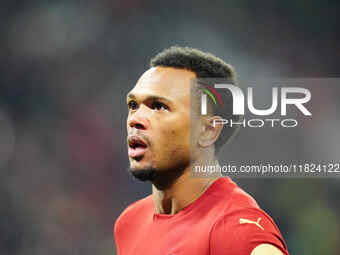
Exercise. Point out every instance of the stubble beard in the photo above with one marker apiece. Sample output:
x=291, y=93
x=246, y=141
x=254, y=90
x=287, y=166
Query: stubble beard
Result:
x=161, y=178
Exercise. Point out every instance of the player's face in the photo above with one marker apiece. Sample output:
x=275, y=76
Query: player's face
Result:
x=158, y=122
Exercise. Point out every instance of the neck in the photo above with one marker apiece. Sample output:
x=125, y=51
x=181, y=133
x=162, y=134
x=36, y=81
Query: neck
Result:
x=182, y=192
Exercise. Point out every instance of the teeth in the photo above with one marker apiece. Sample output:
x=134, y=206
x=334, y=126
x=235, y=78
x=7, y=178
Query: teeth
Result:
x=139, y=145
x=135, y=144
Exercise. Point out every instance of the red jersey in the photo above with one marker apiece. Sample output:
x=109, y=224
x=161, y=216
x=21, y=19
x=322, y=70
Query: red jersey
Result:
x=224, y=220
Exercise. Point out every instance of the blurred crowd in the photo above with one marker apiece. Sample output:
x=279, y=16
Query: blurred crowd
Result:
x=65, y=68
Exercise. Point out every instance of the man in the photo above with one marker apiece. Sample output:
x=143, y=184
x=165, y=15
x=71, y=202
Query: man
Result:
x=185, y=214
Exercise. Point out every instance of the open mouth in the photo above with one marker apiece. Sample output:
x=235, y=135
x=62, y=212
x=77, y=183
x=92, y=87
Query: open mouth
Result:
x=137, y=147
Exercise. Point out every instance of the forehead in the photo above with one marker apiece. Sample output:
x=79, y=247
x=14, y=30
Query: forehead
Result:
x=168, y=82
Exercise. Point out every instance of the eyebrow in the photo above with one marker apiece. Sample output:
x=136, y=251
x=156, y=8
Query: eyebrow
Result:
x=148, y=97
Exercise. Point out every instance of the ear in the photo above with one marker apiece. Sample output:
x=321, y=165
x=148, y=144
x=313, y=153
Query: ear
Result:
x=211, y=130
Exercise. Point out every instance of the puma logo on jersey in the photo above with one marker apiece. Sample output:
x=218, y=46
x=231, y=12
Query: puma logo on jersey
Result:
x=257, y=223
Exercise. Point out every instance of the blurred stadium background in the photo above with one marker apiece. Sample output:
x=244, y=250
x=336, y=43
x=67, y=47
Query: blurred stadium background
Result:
x=65, y=67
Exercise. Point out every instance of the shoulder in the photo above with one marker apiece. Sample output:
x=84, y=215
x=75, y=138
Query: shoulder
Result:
x=242, y=230
x=230, y=197
x=133, y=212
x=243, y=226
x=132, y=216
x=241, y=199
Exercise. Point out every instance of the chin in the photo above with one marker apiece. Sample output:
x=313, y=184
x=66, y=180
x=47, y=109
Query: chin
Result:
x=143, y=174
x=137, y=165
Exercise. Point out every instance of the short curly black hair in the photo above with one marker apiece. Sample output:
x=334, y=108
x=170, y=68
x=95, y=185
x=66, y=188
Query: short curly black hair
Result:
x=209, y=67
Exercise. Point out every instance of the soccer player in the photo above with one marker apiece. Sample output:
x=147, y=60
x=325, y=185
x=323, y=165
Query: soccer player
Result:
x=185, y=214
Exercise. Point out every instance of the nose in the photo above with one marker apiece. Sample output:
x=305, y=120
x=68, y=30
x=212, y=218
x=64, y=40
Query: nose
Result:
x=139, y=120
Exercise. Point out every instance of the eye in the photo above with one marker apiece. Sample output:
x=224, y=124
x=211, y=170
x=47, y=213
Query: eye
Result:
x=132, y=105
x=159, y=106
